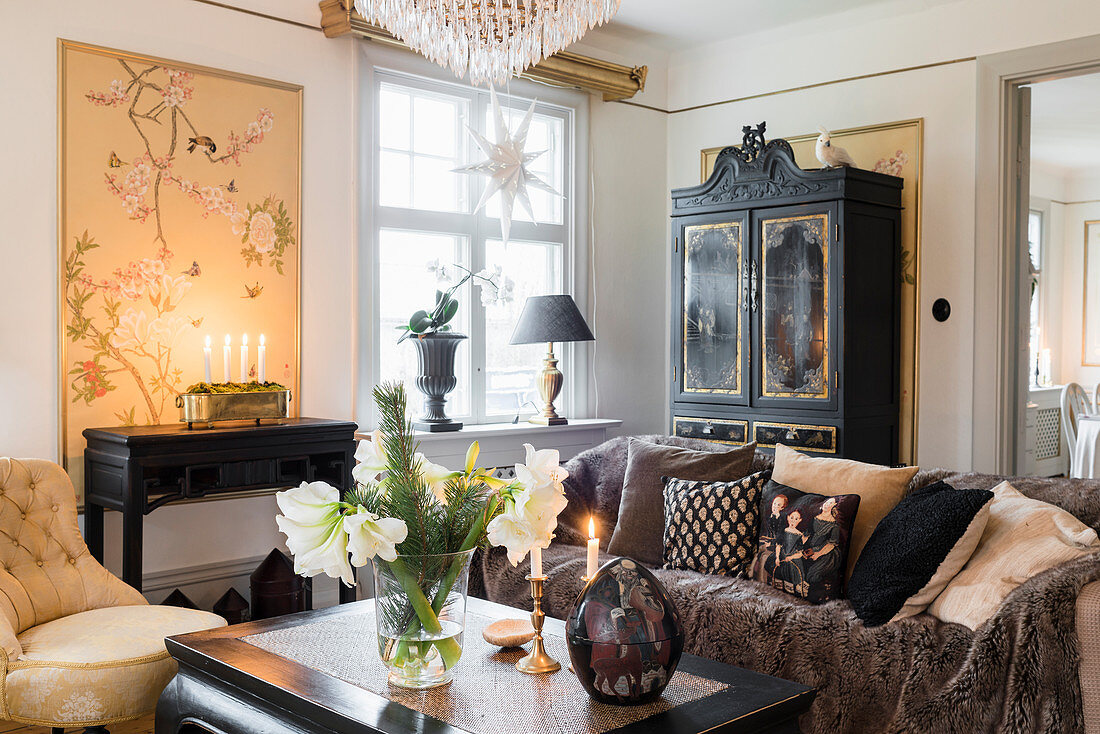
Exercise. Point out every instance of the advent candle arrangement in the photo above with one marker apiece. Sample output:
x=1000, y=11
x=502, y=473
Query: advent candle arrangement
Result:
x=227, y=351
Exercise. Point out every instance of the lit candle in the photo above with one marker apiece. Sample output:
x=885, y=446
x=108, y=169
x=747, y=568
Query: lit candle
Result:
x=593, y=549
x=536, y=562
x=261, y=361
x=206, y=361
x=225, y=360
x=244, y=358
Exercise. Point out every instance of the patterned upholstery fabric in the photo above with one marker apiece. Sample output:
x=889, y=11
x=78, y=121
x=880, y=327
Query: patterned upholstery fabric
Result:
x=80, y=646
x=97, y=667
x=711, y=527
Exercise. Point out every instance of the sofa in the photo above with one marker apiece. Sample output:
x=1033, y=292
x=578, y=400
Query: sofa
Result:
x=1033, y=667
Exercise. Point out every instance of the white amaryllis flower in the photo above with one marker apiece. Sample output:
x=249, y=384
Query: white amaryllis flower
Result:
x=314, y=530
x=370, y=536
x=540, y=506
x=371, y=459
x=435, y=475
x=540, y=468
x=513, y=531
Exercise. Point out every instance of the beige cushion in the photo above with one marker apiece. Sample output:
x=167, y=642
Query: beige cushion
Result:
x=99, y=666
x=880, y=488
x=956, y=558
x=1024, y=537
x=639, y=532
x=46, y=571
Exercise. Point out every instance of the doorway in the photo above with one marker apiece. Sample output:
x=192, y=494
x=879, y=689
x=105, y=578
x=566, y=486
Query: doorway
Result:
x=1058, y=228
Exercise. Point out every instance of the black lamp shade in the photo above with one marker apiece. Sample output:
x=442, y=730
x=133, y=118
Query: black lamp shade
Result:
x=551, y=319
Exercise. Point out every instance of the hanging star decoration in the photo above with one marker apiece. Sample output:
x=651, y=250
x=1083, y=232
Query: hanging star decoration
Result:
x=505, y=165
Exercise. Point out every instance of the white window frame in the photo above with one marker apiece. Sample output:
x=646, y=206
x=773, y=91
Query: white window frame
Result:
x=377, y=65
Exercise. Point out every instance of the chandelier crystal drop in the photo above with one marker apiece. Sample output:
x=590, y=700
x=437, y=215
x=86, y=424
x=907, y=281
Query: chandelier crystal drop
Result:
x=491, y=40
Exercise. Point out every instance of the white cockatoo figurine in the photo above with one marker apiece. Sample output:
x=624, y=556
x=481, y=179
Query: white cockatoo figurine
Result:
x=830, y=155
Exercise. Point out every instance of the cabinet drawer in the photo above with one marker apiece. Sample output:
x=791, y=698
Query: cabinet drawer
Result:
x=821, y=439
x=711, y=429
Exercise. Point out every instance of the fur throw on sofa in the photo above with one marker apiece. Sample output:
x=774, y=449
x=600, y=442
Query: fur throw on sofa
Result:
x=1016, y=673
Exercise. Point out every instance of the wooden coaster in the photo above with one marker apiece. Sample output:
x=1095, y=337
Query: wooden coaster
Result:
x=509, y=632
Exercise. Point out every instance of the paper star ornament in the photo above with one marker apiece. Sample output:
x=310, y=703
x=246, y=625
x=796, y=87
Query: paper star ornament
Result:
x=505, y=165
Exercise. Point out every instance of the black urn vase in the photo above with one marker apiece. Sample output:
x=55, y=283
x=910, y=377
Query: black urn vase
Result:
x=435, y=356
x=624, y=635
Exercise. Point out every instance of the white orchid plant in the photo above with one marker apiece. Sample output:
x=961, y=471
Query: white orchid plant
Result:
x=405, y=508
x=496, y=289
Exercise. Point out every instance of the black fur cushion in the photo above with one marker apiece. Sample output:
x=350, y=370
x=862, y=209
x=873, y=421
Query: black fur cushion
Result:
x=916, y=550
x=711, y=527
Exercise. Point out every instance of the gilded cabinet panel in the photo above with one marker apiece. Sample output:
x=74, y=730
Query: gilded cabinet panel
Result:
x=712, y=311
x=712, y=429
x=820, y=439
x=794, y=307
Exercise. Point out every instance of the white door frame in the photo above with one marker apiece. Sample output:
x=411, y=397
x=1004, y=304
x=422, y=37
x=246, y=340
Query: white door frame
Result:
x=996, y=332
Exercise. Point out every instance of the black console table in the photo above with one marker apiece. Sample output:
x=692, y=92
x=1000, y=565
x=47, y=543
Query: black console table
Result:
x=137, y=469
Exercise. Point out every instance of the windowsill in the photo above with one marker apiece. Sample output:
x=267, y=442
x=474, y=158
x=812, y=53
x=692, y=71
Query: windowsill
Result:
x=523, y=428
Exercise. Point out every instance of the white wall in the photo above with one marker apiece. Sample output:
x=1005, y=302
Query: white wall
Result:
x=629, y=233
x=882, y=38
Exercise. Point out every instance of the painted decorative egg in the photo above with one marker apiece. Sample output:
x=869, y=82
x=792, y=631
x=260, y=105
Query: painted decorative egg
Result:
x=624, y=634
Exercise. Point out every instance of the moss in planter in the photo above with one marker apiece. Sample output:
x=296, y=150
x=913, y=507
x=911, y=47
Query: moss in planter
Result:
x=207, y=388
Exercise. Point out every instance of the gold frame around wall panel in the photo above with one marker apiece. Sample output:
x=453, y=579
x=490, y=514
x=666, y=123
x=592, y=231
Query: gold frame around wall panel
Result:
x=738, y=390
x=708, y=156
x=1085, y=298
x=64, y=45
x=826, y=276
x=615, y=82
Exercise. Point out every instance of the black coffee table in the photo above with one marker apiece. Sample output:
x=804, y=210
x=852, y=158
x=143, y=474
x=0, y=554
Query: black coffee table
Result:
x=228, y=685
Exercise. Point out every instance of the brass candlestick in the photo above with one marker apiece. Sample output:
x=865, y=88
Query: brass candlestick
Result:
x=538, y=661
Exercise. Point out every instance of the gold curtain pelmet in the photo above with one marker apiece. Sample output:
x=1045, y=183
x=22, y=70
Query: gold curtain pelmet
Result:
x=563, y=69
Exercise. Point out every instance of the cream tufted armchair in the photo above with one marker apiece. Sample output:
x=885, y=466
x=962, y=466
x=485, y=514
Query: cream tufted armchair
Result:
x=80, y=647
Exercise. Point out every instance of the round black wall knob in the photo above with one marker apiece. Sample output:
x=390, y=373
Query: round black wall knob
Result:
x=941, y=309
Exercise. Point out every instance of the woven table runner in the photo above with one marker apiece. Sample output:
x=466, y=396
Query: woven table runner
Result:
x=488, y=695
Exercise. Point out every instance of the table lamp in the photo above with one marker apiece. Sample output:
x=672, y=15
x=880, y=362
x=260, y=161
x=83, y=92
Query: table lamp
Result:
x=550, y=319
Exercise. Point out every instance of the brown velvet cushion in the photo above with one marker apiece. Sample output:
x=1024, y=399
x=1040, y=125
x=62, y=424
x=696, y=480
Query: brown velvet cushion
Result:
x=640, y=529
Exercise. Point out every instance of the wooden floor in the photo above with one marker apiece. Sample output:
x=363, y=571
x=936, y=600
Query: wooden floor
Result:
x=143, y=725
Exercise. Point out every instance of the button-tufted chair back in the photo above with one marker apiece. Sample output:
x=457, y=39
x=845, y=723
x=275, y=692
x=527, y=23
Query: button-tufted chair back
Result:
x=46, y=570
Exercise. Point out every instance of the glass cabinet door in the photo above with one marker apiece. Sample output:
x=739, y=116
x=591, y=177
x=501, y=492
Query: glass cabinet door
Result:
x=713, y=312
x=795, y=360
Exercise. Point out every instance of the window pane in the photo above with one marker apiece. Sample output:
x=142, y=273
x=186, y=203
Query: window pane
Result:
x=434, y=186
x=544, y=134
x=394, y=117
x=421, y=142
x=406, y=286
x=394, y=179
x=510, y=371
x=435, y=128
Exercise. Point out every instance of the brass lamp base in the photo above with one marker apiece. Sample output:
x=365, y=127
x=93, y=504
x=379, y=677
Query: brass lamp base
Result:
x=538, y=660
x=549, y=382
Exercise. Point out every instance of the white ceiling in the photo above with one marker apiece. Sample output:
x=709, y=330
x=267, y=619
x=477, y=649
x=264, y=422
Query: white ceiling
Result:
x=680, y=24
x=1065, y=124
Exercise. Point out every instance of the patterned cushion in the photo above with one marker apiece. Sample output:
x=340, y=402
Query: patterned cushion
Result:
x=97, y=667
x=711, y=527
x=804, y=541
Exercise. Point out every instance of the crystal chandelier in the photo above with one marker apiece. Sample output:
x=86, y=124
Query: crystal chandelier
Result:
x=492, y=40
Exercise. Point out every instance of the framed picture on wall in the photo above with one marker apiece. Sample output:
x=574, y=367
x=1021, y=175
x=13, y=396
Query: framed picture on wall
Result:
x=179, y=220
x=1090, y=323
x=895, y=148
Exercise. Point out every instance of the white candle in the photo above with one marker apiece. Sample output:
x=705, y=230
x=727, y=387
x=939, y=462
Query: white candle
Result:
x=206, y=361
x=261, y=361
x=593, y=549
x=225, y=360
x=244, y=358
x=536, y=561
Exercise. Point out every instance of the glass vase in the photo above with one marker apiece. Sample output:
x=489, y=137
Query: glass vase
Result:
x=420, y=605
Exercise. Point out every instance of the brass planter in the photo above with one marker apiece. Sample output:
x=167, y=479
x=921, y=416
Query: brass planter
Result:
x=209, y=408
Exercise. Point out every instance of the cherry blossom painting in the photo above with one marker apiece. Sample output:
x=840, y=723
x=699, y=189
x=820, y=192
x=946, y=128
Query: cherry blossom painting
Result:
x=178, y=220
x=894, y=148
